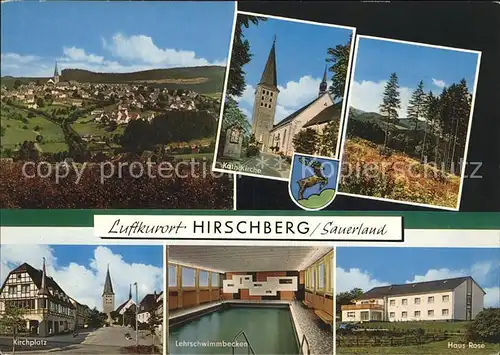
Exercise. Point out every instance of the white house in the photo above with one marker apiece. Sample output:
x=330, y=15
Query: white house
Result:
x=149, y=303
x=47, y=308
x=451, y=299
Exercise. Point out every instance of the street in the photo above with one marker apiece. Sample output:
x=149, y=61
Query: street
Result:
x=107, y=340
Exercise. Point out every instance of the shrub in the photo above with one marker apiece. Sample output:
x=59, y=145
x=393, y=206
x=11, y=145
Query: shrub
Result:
x=486, y=326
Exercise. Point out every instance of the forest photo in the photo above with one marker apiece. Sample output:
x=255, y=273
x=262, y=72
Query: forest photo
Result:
x=410, y=111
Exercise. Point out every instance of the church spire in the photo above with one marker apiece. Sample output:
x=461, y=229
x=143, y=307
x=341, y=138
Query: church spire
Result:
x=108, y=286
x=130, y=292
x=43, y=286
x=269, y=74
x=323, y=86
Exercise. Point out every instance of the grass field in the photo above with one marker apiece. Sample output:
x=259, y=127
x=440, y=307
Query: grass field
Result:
x=437, y=348
x=396, y=177
x=53, y=137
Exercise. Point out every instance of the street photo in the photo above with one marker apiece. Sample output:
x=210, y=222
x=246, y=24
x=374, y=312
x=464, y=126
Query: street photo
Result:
x=437, y=301
x=408, y=123
x=81, y=299
x=109, y=114
x=250, y=300
x=284, y=93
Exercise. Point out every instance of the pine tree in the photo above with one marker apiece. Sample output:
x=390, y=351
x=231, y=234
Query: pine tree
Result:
x=339, y=56
x=416, y=104
x=431, y=115
x=391, y=102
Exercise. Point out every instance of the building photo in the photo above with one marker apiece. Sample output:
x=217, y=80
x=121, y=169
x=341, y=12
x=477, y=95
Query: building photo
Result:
x=280, y=100
x=259, y=300
x=436, y=296
x=82, y=298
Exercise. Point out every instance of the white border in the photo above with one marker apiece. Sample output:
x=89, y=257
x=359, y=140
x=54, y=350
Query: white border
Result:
x=290, y=182
x=471, y=114
x=432, y=238
x=344, y=101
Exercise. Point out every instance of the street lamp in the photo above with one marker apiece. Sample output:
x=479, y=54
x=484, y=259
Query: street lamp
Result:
x=136, y=313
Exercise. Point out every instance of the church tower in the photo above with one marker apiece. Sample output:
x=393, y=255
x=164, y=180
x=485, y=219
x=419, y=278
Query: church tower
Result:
x=266, y=97
x=323, y=87
x=108, y=297
x=56, y=75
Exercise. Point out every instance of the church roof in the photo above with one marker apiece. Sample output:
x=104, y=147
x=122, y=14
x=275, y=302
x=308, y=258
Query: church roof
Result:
x=108, y=286
x=293, y=115
x=331, y=113
x=269, y=75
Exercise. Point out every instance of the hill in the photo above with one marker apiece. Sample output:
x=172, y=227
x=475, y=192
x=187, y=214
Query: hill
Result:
x=402, y=124
x=206, y=79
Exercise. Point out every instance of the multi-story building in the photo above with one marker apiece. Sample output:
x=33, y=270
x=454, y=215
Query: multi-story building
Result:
x=47, y=308
x=451, y=299
x=82, y=314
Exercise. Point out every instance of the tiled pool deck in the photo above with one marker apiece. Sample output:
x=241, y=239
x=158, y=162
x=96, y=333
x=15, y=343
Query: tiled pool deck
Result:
x=319, y=335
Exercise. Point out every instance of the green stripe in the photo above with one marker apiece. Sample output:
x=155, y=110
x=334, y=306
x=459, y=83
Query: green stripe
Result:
x=412, y=220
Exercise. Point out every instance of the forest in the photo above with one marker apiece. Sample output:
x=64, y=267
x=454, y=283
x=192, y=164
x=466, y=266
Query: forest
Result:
x=417, y=158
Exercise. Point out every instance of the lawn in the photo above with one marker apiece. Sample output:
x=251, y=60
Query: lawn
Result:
x=437, y=348
x=15, y=133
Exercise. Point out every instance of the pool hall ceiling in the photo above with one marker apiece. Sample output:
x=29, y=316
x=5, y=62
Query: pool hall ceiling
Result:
x=245, y=258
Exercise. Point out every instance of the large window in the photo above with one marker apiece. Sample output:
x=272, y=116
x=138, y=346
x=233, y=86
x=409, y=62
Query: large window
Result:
x=321, y=276
x=215, y=280
x=188, y=277
x=172, y=276
x=203, y=278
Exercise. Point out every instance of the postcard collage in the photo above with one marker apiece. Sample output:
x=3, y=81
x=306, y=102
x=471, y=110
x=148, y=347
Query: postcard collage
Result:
x=249, y=178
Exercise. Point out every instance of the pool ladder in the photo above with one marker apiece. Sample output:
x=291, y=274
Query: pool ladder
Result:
x=242, y=333
x=301, y=350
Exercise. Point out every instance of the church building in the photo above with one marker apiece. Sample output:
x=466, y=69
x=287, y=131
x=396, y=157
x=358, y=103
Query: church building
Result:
x=108, y=297
x=278, y=138
x=55, y=79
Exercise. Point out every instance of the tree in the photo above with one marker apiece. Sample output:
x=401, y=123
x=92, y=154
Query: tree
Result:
x=154, y=321
x=11, y=321
x=240, y=55
x=329, y=138
x=416, y=105
x=306, y=141
x=391, y=102
x=2, y=131
x=486, y=326
x=40, y=102
x=96, y=318
x=339, y=56
x=431, y=115
x=17, y=83
x=346, y=298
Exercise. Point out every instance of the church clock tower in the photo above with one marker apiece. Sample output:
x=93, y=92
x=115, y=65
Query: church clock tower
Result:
x=266, y=97
x=108, y=297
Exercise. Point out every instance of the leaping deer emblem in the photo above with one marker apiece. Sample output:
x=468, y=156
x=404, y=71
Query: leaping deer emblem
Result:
x=310, y=181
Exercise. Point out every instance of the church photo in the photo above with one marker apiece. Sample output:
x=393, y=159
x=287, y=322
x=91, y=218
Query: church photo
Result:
x=82, y=298
x=284, y=93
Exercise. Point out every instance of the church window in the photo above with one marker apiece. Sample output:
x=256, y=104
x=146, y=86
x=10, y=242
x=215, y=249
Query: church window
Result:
x=271, y=94
x=270, y=100
x=284, y=137
x=262, y=97
x=261, y=104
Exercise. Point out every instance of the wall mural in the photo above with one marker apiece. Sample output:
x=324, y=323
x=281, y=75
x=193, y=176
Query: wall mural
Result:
x=270, y=287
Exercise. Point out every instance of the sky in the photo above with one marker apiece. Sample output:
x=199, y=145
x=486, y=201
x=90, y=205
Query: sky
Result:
x=377, y=59
x=80, y=270
x=188, y=277
x=113, y=36
x=301, y=50
x=378, y=266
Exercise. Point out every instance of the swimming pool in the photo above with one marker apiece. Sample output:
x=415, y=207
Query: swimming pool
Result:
x=269, y=330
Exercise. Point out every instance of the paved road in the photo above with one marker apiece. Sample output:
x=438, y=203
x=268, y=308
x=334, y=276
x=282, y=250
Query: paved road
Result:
x=269, y=164
x=101, y=341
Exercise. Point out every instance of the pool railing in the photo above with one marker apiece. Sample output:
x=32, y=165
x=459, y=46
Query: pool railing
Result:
x=250, y=349
x=301, y=349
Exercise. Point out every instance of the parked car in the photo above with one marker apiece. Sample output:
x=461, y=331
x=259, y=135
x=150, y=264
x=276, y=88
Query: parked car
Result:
x=347, y=326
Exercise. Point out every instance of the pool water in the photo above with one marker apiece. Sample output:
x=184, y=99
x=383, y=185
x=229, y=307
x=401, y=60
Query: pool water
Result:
x=269, y=331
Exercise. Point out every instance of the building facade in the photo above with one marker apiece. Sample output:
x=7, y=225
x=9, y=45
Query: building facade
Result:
x=47, y=309
x=108, y=297
x=266, y=98
x=442, y=300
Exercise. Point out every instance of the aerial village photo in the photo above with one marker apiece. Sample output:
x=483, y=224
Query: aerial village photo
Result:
x=81, y=299
x=250, y=300
x=437, y=301
x=284, y=93
x=409, y=117
x=94, y=106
